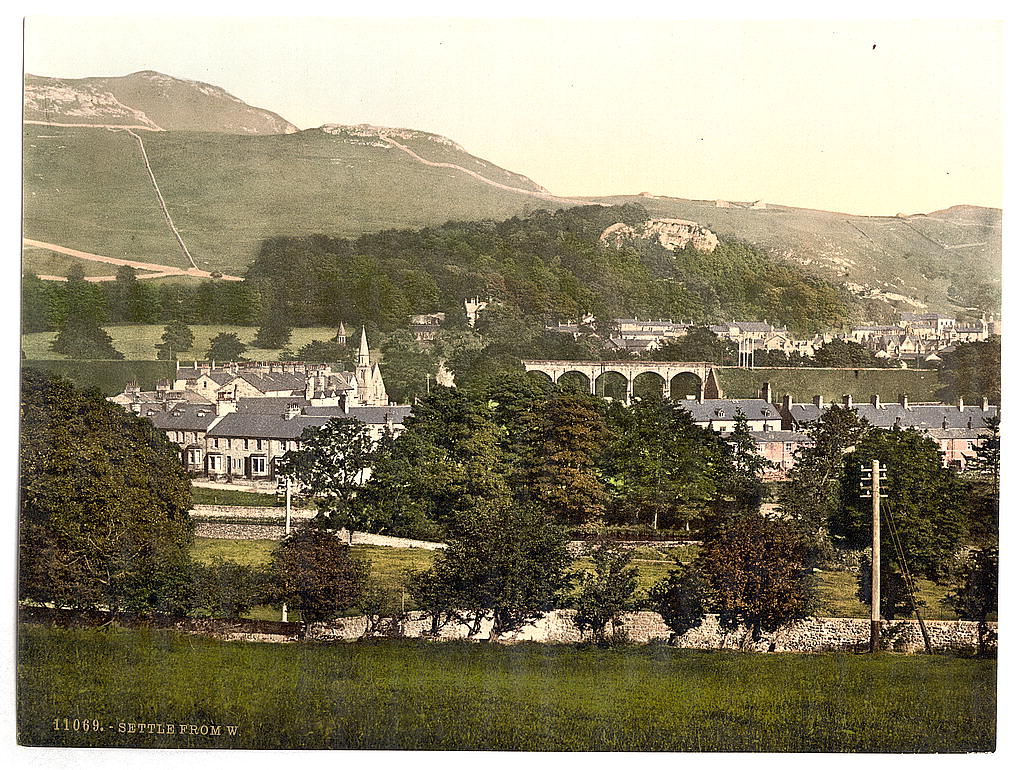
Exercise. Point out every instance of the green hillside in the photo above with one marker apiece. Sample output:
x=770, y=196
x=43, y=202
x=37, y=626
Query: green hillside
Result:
x=88, y=189
x=922, y=257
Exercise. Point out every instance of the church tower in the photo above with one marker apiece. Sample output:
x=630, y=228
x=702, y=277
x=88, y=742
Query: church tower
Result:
x=369, y=384
x=342, y=337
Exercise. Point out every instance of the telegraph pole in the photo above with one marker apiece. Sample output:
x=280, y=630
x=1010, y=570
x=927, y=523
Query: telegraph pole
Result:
x=876, y=472
x=287, y=530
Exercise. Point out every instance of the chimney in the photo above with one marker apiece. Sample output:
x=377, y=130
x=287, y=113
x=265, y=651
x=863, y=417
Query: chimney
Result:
x=876, y=401
x=848, y=401
x=984, y=404
x=292, y=411
x=945, y=422
x=225, y=407
x=345, y=403
x=309, y=387
x=960, y=403
x=766, y=392
x=787, y=403
x=817, y=401
x=905, y=401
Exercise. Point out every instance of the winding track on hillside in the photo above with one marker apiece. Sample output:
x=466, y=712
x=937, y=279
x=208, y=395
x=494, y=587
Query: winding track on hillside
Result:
x=158, y=271
x=485, y=180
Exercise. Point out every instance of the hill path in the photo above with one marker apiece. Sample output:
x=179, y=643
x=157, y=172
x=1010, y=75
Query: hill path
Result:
x=160, y=197
x=485, y=180
x=90, y=125
x=158, y=271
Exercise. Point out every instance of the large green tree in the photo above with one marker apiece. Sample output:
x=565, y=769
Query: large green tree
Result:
x=104, y=504
x=78, y=310
x=314, y=572
x=177, y=338
x=331, y=463
x=505, y=562
x=605, y=592
x=566, y=436
x=924, y=515
x=226, y=346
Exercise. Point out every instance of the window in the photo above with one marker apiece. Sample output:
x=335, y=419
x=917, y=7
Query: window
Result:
x=258, y=465
x=245, y=443
x=238, y=464
x=216, y=443
x=216, y=463
x=181, y=437
x=195, y=457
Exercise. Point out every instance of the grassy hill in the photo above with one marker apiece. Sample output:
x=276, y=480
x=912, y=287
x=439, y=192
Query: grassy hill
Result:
x=88, y=189
x=915, y=257
x=832, y=384
x=149, y=99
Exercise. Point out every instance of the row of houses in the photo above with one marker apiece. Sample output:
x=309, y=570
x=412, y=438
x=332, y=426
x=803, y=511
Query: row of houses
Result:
x=779, y=428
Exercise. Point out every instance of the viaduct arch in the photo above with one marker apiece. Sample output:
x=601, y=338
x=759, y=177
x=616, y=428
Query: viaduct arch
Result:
x=666, y=371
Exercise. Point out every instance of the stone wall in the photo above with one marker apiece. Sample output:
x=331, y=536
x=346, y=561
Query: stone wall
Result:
x=248, y=512
x=235, y=530
x=808, y=635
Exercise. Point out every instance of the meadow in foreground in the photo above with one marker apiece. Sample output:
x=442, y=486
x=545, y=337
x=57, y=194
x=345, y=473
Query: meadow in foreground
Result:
x=423, y=695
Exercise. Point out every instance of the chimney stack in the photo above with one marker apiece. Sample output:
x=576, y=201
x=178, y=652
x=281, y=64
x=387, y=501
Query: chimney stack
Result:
x=984, y=403
x=818, y=401
x=960, y=403
x=292, y=411
x=848, y=401
x=905, y=401
x=876, y=401
x=787, y=403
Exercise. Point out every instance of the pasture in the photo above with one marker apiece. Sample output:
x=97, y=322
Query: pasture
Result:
x=459, y=695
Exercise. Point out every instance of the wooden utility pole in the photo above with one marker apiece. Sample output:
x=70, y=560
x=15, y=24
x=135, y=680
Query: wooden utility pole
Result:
x=876, y=471
x=287, y=531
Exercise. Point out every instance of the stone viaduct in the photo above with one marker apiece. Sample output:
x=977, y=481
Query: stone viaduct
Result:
x=696, y=376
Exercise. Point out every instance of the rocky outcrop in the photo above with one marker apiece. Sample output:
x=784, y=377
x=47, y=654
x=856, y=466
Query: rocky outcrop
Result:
x=671, y=233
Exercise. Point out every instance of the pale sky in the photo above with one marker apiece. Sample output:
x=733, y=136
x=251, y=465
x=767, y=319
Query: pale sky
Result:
x=861, y=117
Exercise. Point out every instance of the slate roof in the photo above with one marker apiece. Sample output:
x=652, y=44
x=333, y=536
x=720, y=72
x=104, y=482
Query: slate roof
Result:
x=708, y=410
x=255, y=425
x=919, y=416
x=182, y=417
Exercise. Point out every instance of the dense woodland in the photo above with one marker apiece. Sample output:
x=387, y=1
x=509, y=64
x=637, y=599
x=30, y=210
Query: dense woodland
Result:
x=543, y=266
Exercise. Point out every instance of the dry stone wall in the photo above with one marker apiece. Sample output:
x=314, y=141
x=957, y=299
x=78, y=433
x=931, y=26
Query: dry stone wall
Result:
x=808, y=635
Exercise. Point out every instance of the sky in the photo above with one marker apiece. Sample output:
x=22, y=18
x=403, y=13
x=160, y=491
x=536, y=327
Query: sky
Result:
x=853, y=116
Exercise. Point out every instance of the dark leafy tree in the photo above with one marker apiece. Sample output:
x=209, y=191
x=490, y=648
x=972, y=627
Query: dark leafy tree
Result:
x=565, y=437
x=506, y=563
x=810, y=499
x=926, y=506
x=320, y=351
x=314, y=572
x=606, y=592
x=745, y=484
x=407, y=366
x=972, y=372
x=226, y=347
x=104, y=505
x=78, y=310
x=986, y=459
x=275, y=326
x=758, y=573
x=663, y=469
x=177, y=338
x=331, y=464
x=977, y=596
x=682, y=599
x=844, y=355
x=225, y=589
x=699, y=344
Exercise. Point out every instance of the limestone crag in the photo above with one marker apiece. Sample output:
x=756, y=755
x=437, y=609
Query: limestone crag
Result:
x=671, y=234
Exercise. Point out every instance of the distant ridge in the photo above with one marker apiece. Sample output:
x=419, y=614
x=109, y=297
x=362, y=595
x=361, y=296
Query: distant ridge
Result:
x=148, y=100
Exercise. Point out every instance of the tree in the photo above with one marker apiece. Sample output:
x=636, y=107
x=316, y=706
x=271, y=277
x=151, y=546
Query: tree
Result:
x=275, y=328
x=663, y=469
x=977, y=596
x=177, y=338
x=926, y=505
x=226, y=347
x=698, y=344
x=505, y=562
x=972, y=372
x=104, y=504
x=681, y=599
x=838, y=353
x=313, y=571
x=986, y=459
x=228, y=590
x=407, y=366
x=330, y=465
x=745, y=483
x=811, y=497
x=320, y=351
x=606, y=592
x=757, y=572
x=79, y=309
x=565, y=436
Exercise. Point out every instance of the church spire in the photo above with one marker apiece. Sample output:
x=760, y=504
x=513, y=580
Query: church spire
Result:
x=364, y=350
x=342, y=336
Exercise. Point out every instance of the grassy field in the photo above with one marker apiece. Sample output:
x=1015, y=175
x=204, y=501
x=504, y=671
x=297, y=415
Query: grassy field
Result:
x=836, y=591
x=832, y=384
x=429, y=695
x=138, y=343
